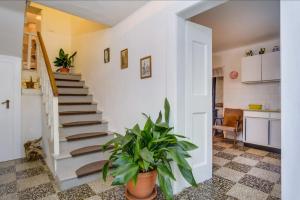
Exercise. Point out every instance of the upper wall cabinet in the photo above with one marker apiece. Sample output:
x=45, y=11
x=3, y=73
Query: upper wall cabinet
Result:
x=261, y=68
x=251, y=69
x=270, y=63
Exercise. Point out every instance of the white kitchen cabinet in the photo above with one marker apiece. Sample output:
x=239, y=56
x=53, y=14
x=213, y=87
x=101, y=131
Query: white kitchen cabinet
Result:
x=275, y=133
x=270, y=63
x=262, y=128
x=256, y=131
x=261, y=68
x=251, y=69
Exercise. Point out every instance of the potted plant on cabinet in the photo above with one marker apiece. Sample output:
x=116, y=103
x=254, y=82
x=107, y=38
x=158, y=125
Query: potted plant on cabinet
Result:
x=142, y=155
x=64, y=62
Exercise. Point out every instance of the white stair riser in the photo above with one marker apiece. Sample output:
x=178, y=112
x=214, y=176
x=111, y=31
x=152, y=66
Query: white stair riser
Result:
x=69, y=183
x=67, y=76
x=75, y=99
x=65, y=108
x=73, y=90
x=78, y=118
x=68, y=146
x=70, y=83
x=73, y=163
x=84, y=129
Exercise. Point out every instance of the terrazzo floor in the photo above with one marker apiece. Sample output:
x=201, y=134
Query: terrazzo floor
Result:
x=238, y=174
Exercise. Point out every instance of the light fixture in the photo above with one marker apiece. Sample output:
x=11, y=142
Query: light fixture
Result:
x=38, y=17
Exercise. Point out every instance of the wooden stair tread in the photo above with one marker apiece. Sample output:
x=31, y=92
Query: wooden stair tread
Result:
x=65, y=79
x=75, y=103
x=81, y=123
x=72, y=94
x=87, y=150
x=90, y=168
x=77, y=112
x=69, y=86
x=82, y=136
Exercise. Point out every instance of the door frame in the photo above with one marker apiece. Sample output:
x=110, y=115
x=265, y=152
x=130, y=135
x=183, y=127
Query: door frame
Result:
x=16, y=62
x=179, y=37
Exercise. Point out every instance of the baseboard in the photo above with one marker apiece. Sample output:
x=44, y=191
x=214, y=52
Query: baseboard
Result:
x=271, y=149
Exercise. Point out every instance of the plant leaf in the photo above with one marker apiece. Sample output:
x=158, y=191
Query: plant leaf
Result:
x=159, y=118
x=178, y=158
x=166, y=187
x=187, y=146
x=188, y=175
x=167, y=110
x=125, y=173
x=164, y=171
x=105, y=170
x=147, y=155
x=136, y=130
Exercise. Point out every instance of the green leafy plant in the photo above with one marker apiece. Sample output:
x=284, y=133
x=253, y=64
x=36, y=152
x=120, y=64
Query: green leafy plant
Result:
x=153, y=147
x=64, y=60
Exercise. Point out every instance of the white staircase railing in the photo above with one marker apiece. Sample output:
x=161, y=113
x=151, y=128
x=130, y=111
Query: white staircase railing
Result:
x=50, y=95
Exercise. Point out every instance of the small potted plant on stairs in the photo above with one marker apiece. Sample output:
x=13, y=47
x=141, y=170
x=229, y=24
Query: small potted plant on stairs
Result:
x=64, y=62
x=142, y=155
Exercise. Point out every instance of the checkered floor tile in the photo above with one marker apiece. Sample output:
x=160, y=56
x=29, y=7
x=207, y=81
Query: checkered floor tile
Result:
x=238, y=174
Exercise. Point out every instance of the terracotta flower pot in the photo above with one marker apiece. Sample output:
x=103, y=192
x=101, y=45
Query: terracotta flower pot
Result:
x=64, y=70
x=144, y=186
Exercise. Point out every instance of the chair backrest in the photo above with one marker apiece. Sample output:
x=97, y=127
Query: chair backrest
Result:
x=231, y=116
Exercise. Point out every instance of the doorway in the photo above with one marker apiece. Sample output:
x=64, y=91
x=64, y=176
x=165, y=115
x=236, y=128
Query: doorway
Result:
x=227, y=160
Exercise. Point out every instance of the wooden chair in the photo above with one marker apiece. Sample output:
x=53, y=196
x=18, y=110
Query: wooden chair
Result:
x=233, y=122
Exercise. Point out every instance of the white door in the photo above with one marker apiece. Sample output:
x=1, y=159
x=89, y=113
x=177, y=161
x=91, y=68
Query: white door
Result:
x=257, y=131
x=251, y=68
x=9, y=104
x=198, y=98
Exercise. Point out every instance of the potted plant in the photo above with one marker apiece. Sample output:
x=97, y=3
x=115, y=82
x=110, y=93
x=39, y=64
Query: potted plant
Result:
x=142, y=155
x=30, y=83
x=64, y=62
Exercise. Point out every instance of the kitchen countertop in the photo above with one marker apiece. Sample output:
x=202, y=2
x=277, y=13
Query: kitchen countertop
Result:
x=269, y=110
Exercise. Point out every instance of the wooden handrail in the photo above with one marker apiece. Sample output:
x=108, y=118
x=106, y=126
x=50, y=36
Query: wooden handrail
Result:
x=48, y=65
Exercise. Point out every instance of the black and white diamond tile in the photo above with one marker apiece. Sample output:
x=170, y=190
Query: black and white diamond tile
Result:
x=240, y=173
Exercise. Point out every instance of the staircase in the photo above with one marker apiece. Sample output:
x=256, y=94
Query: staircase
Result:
x=82, y=131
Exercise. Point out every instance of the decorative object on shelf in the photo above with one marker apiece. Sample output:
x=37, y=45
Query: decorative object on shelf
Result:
x=142, y=155
x=33, y=150
x=249, y=53
x=262, y=50
x=276, y=48
x=233, y=74
x=30, y=83
x=145, y=65
x=64, y=62
x=124, y=59
x=106, y=55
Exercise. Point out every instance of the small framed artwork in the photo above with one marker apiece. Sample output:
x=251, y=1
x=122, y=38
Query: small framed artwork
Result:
x=106, y=55
x=124, y=59
x=145, y=64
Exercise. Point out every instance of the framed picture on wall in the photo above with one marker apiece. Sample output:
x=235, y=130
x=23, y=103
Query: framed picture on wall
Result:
x=106, y=55
x=145, y=65
x=124, y=59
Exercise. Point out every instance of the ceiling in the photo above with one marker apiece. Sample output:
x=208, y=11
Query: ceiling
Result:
x=239, y=23
x=104, y=12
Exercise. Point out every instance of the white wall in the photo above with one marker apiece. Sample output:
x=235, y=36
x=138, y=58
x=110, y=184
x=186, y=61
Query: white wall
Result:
x=239, y=95
x=31, y=117
x=11, y=23
x=290, y=70
x=143, y=34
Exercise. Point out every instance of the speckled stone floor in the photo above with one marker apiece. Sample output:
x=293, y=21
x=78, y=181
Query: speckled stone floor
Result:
x=238, y=174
